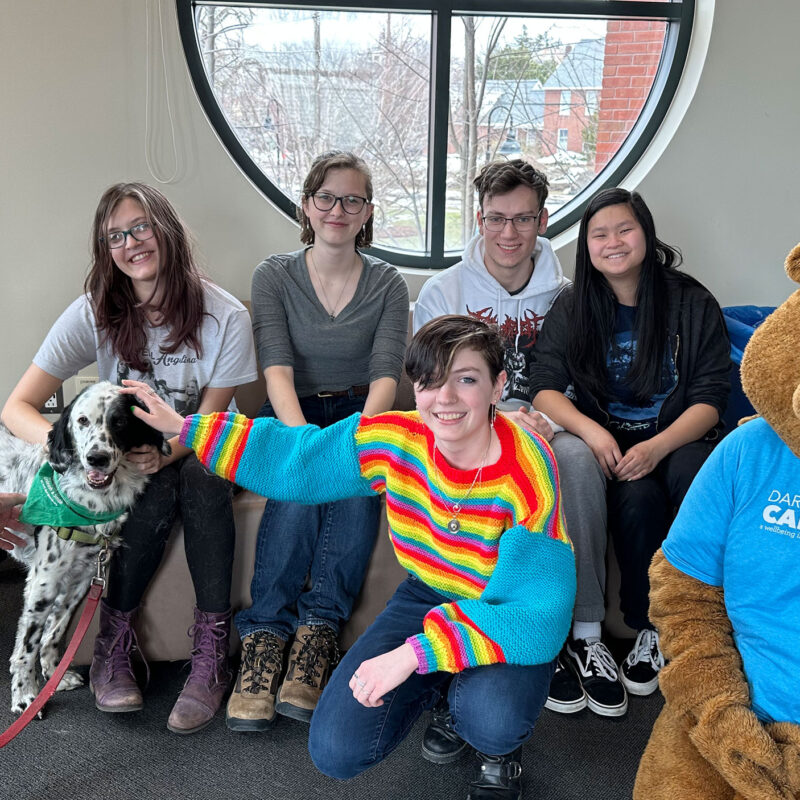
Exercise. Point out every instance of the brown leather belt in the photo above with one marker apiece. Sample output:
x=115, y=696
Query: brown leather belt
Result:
x=357, y=391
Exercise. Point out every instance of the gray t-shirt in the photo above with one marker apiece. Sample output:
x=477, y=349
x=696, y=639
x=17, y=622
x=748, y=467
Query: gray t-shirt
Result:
x=179, y=378
x=366, y=341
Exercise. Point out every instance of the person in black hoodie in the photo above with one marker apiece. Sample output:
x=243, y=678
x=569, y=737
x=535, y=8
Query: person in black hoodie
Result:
x=634, y=359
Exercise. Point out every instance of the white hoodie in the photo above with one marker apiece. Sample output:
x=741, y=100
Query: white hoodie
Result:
x=468, y=288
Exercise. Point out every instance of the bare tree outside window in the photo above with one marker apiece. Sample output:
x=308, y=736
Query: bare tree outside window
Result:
x=295, y=82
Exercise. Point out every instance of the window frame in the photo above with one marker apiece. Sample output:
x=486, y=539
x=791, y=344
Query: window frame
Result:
x=679, y=17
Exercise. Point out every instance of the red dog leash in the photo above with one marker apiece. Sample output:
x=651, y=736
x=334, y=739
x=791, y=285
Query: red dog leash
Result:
x=93, y=598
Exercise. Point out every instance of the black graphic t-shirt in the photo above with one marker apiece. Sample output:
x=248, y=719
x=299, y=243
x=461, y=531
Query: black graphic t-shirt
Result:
x=629, y=421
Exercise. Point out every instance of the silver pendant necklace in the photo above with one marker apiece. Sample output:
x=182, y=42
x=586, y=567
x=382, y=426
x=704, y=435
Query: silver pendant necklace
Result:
x=327, y=305
x=454, y=526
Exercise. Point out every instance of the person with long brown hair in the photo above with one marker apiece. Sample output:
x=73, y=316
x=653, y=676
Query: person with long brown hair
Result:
x=148, y=313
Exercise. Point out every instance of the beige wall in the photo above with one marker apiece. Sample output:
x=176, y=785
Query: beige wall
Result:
x=73, y=108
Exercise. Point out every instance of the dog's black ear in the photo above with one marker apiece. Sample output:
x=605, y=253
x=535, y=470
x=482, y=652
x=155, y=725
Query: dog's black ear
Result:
x=60, y=448
x=129, y=431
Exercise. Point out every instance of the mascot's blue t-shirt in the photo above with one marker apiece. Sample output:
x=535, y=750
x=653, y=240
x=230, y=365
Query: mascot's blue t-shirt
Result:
x=739, y=528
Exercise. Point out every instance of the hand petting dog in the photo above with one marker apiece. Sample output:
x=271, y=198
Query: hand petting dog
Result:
x=9, y=515
x=159, y=415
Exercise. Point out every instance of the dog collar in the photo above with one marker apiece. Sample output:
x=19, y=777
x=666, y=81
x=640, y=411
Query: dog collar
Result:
x=81, y=537
x=47, y=505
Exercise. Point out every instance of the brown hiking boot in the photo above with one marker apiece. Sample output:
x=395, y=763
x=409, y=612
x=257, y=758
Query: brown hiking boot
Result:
x=312, y=660
x=251, y=706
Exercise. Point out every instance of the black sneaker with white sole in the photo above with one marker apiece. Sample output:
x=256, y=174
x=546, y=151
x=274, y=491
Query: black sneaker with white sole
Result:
x=599, y=676
x=640, y=669
x=566, y=695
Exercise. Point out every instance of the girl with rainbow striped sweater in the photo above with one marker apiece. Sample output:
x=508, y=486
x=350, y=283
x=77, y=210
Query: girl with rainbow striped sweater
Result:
x=475, y=517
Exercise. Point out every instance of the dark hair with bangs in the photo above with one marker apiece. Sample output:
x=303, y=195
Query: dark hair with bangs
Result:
x=119, y=313
x=430, y=354
x=502, y=177
x=594, y=305
x=334, y=159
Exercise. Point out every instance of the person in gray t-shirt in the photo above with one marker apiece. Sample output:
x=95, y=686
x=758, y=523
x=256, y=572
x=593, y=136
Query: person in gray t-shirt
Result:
x=148, y=314
x=330, y=328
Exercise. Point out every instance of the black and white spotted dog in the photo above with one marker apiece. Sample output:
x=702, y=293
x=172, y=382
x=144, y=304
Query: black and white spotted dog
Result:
x=86, y=448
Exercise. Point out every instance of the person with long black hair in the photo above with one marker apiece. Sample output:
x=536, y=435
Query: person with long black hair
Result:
x=634, y=359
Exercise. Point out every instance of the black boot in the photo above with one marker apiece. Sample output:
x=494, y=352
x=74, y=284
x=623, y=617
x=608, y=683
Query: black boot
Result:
x=440, y=743
x=499, y=777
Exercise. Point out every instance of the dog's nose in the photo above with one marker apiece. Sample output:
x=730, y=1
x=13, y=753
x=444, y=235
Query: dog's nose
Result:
x=98, y=459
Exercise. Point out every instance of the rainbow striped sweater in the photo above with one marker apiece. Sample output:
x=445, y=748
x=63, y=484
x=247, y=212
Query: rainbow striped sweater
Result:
x=509, y=571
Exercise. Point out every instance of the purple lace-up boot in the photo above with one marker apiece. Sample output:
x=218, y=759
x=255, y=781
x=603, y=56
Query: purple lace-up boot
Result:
x=210, y=677
x=111, y=677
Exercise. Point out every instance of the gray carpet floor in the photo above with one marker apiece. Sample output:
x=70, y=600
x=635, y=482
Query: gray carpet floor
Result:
x=76, y=752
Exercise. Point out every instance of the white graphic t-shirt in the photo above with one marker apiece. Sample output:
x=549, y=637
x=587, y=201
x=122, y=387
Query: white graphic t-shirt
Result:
x=228, y=354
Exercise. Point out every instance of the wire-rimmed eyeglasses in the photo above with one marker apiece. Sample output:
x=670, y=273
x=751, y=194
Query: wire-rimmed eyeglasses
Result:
x=524, y=223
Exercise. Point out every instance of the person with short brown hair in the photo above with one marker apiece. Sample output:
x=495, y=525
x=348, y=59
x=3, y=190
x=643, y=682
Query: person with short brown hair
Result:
x=474, y=515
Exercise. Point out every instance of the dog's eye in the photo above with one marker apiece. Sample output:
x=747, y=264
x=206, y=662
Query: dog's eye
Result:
x=83, y=421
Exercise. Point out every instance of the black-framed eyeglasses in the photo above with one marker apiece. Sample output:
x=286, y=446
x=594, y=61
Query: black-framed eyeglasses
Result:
x=351, y=203
x=141, y=232
x=523, y=223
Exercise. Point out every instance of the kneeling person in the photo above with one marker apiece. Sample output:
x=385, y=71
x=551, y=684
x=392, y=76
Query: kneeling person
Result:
x=475, y=517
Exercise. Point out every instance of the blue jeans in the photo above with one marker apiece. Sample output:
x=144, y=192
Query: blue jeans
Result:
x=494, y=708
x=331, y=542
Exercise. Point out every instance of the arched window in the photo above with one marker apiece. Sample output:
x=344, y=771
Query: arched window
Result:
x=426, y=93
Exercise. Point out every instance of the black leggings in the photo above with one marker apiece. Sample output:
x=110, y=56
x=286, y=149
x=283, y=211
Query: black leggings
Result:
x=639, y=516
x=204, y=502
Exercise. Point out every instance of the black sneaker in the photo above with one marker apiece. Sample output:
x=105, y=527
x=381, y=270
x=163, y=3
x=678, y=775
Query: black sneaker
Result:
x=440, y=743
x=640, y=669
x=566, y=695
x=598, y=674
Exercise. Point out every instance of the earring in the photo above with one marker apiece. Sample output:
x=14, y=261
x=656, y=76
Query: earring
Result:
x=492, y=414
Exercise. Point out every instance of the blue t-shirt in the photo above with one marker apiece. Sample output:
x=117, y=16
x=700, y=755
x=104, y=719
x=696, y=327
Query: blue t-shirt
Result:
x=739, y=528
x=629, y=421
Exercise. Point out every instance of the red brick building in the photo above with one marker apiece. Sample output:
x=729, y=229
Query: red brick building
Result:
x=632, y=54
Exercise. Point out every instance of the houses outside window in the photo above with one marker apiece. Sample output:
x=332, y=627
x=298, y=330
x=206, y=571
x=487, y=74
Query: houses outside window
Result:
x=427, y=95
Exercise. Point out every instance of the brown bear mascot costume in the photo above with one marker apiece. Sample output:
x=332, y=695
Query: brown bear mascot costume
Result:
x=725, y=597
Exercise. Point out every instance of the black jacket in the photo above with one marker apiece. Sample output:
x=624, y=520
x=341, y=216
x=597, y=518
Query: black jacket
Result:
x=698, y=339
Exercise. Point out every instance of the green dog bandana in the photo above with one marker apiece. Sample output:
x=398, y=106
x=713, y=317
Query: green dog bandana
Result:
x=46, y=504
